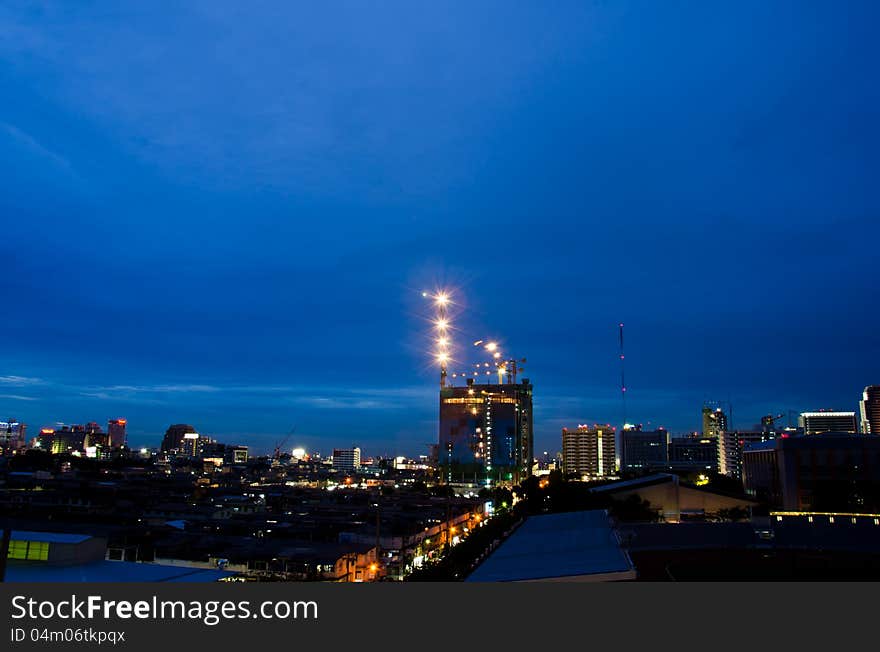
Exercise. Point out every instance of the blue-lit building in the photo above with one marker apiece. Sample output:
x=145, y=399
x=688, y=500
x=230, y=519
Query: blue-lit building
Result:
x=486, y=432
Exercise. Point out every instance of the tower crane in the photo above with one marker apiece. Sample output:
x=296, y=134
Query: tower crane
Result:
x=276, y=454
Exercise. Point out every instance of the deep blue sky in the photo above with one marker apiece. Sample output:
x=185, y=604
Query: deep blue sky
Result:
x=224, y=213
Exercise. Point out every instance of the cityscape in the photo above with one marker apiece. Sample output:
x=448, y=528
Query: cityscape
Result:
x=796, y=496
x=403, y=293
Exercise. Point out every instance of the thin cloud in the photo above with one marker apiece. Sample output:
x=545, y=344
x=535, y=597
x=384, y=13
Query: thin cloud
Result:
x=20, y=381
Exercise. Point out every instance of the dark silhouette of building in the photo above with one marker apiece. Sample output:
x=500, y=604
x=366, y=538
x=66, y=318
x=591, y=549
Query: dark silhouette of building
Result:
x=181, y=439
x=693, y=453
x=827, y=472
x=644, y=449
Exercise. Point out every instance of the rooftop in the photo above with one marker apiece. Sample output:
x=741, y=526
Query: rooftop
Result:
x=567, y=546
x=48, y=537
x=110, y=571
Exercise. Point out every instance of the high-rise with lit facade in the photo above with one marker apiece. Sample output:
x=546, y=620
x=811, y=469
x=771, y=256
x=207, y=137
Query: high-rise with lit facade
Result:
x=731, y=444
x=12, y=436
x=116, y=433
x=589, y=451
x=486, y=432
x=714, y=421
x=815, y=423
x=869, y=409
x=347, y=459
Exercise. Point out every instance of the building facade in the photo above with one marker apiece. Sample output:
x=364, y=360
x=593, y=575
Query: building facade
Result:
x=824, y=472
x=486, y=432
x=815, y=423
x=589, y=451
x=730, y=449
x=12, y=436
x=714, y=421
x=643, y=450
x=693, y=453
x=869, y=410
x=116, y=436
x=176, y=441
x=347, y=459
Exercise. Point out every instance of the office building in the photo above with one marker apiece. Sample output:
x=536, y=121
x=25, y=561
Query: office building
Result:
x=12, y=436
x=116, y=437
x=829, y=472
x=486, y=432
x=693, y=453
x=730, y=449
x=237, y=454
x=869, y=409
x=589, y=451
x=815, y=423
x=643, y=450
x=347, y=459
x=714, y=421
x=181, y=439
x=64, y=439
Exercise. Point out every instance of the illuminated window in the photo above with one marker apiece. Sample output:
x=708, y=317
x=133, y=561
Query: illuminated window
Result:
x=29, y=550
x=18, y=549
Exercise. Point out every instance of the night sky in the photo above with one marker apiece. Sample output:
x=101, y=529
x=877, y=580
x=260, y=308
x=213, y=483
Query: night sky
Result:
x=224, y=214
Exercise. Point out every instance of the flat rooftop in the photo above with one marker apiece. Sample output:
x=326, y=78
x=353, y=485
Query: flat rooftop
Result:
x=571, y=546
x=48, y=537
x=110, y=571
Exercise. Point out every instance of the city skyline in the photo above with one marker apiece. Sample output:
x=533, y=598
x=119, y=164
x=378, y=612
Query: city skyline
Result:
x=248, y=256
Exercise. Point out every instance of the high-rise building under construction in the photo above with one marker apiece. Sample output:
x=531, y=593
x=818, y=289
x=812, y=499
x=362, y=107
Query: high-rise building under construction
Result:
x=486, y=432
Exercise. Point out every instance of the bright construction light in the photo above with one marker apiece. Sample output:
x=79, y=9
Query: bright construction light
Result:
x=496, y=355
x=442, y=357
x=442, y=324
x=443, y=341
x=442, y=299
x=491, y=346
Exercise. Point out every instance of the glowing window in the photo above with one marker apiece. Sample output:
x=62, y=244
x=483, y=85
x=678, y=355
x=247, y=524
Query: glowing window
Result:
x=29, y=550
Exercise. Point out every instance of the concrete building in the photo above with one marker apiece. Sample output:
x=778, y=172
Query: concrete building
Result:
x=673, y=499
x=869, y=410
x=12, y=436
x=824, y=472
x=181, y=439
x=693, y=453
x=714, y=421
x=644, y=449
x=347, y=459
x=116, y=436
x=815, y=423
x=730, y=449
x=486, y=432
x=65, y=557
x=589, y=451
